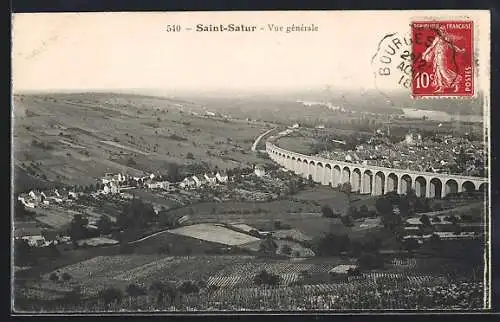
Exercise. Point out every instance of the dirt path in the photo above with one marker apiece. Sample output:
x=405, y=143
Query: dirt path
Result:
x=257, y=140
x=441, y=212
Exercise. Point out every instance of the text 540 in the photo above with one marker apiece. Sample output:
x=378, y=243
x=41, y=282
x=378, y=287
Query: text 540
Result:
x=172, y=28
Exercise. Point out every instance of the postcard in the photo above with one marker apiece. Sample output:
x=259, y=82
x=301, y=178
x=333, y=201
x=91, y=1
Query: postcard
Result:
x=273, y=161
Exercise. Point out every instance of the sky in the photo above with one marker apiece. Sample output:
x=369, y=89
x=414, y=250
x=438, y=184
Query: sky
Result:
x=110, y=51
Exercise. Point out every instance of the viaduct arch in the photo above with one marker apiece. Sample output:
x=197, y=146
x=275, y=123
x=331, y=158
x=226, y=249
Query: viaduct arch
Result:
x=372, y=179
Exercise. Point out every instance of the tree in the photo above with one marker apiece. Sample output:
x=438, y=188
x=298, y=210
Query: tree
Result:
x=286, y=249
x=370, y=261
x=66, y=276
x=131, y=162
x=53, y=251
x=77, y=228
x=104, y=225
x=23, y=254
x=410, y=244
x=404, y=206
x=436, y=219
x=346, y=188
x=265, y=278
x=412, y=199
x=372, y=243
x=255, y=233
x=19, y=210
x=466, y=218
x=54, y=277
x=268, y=246
x=111, y=295
x=328, y=212
x=167, y=219
x=457, y=229
x=391, y=221
x=188, y=287
x=331, y=245
x=436, y=243
x=452, y=219
x=356, y=248
x=133, y=291
x=189, y=156
x=74, y=296
x=424, y=219
x=347, y=221
x=163, y=290
x=136, y=214
x=383, y=206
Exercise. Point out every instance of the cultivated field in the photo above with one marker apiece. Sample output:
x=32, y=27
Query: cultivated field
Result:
x=229, y=285
x=214, y=234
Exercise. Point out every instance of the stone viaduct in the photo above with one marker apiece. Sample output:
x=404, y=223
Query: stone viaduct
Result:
x=374, y=180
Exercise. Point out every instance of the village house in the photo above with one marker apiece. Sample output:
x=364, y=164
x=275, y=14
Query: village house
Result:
x=259, y=170
x=210, y=179
x=73, y=195
x=33, y=236
x=36, y=196
x=25, y=202
x=198, y=181
x=111, y=177
x=158, y=185
x=222, y=177
x=112, y=187
x=188, y=183
x=51, y=196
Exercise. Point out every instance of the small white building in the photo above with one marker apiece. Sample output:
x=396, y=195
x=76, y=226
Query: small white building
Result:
x=158, y=185
x=26, y=203
x=210, y=179
x=73, y=194
x=52, y=196
x=222, y=177
x=187, y=183
x=112, y=187
x=198, y=182
x=36, y=196
x=35, y=241
x=259, y=170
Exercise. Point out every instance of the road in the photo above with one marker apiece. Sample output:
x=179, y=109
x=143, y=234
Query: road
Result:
x=147, y=237
x=257, y=140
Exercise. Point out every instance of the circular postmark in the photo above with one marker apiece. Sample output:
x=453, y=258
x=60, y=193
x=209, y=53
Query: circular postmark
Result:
x=392, y=62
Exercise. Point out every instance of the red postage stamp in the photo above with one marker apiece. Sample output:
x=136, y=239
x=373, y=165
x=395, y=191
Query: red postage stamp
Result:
x=442, y=54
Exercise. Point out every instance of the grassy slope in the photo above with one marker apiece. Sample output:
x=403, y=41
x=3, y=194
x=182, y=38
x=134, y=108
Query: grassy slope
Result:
x=84, y=120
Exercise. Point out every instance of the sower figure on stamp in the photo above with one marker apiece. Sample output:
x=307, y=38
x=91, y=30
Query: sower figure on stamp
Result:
x=441, y=53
